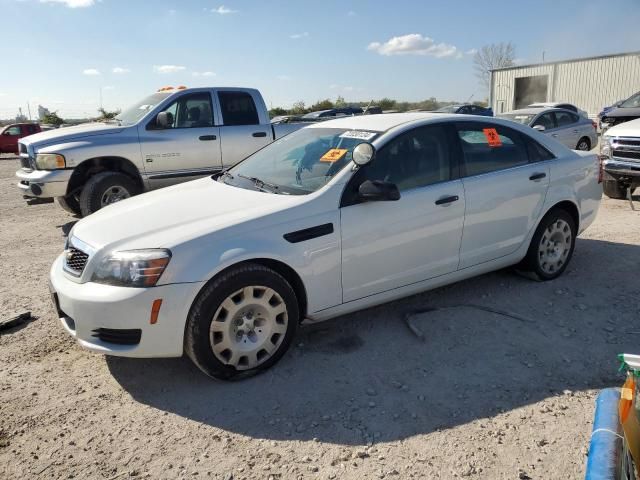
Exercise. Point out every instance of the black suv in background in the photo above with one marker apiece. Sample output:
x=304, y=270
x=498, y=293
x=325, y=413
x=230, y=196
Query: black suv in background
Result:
x=621, y=112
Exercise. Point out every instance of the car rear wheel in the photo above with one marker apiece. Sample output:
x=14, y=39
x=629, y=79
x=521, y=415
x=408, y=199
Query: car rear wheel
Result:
x=584, y=144
x=104, y=189
x=70, y=203
x=552, y=246
x=242, y=322
x=614, y=189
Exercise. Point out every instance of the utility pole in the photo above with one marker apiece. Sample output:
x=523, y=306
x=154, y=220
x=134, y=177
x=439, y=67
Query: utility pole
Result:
x=29, y=110
x=543, y=56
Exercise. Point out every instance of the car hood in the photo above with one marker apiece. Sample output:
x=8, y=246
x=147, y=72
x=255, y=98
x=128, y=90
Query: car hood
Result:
x=624, y=112
x=627, y=129
x=170, y=216
x=65, y=134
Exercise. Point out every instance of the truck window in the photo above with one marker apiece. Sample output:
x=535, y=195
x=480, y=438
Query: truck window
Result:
x=191, y=111
x=14, y=131
x=238, y=108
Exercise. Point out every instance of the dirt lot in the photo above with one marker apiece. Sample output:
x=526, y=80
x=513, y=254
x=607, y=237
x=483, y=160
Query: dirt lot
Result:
x=359, y=397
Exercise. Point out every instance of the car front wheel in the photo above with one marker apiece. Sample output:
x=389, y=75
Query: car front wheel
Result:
x=584, y=144
x=552, y=246
x=242, y=322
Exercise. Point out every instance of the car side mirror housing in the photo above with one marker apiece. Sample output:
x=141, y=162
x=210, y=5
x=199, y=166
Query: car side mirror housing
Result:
x=164, y=120
x=540, y=128
x=378, y=191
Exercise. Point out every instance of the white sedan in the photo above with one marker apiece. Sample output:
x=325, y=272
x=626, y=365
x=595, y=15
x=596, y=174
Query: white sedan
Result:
x=336, y=217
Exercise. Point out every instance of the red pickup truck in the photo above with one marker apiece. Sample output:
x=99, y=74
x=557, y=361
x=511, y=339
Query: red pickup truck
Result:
x=10, y=134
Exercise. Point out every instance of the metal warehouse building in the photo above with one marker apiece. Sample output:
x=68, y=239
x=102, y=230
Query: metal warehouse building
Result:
x=589, y=83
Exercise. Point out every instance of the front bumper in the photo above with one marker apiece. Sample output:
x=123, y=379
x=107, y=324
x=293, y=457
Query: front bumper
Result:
x=43, y=183
x=85, y=308
x=620, y=168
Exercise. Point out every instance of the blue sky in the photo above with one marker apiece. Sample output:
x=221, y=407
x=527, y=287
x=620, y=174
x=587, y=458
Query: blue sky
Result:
x=64, y=52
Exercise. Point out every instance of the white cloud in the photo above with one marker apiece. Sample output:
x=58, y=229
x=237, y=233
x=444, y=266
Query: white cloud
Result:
x=72, y=3
x=222, y=10
x=91, y=72
x=120, y=70
x=473, y=51
x=296, y=36
x=204, y=74
x=413, y=44
x=168, y=68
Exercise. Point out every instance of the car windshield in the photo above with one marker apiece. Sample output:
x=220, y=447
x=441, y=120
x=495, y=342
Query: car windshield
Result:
x=134, y=113
x=524, y=118
x=299, y=163
x=632, y=102
x=448, y=109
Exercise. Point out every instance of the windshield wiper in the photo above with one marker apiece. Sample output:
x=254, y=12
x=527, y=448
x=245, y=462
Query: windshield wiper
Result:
x=271, y=188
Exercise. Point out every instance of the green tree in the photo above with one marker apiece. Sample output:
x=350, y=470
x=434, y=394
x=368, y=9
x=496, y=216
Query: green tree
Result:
x=106, y=115
x=298, y=108
x=277, y=111
x=52, y=118
x=387, y=104
x=325, y=104
x=339, y=103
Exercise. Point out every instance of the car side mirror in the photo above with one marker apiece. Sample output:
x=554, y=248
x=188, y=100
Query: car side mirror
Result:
x=164, y=120
x=378, y=191
x=540, y=128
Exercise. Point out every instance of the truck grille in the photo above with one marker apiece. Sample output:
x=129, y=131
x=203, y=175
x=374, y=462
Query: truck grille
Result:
x=626, y=148
x=75, y=260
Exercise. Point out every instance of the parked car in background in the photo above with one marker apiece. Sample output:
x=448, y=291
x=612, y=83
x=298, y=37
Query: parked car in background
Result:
x=466, y=109
x=624, y=112
x=563, y=105
x=10, y=135
x=334, y=112
x=572, y=130
x=336, y=217
x=171, y=136
x=621, y=159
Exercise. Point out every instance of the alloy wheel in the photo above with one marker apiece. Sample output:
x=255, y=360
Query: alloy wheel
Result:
x=113, y=194
x=554, y=247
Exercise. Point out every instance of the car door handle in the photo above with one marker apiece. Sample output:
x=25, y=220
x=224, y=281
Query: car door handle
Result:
x=537, y=176
x=447, y=200
x=259, y=134
x=204, y=138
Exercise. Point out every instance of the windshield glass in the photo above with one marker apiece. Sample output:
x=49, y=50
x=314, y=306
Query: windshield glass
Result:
x=632, y=102
x=134, y=113
x=524, y=118
x=300, y=163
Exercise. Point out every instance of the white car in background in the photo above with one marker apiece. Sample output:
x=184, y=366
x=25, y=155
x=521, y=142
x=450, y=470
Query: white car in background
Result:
x=336, y=217
x=564, y=105
x=570, y=129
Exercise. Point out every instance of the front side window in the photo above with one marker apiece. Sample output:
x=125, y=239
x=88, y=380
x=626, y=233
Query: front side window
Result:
x=238, y=108
x=631, y=102
x=13, y=131
x=299, y=163
x=564, y=119
x=545, y=120
x=190, y=111
x=490, y=147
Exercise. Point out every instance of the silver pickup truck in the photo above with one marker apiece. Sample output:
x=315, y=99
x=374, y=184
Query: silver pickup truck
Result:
x=171, y=136
x=620, y=155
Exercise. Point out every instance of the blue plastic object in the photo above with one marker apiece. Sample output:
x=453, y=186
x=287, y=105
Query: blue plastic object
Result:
x=606, y=440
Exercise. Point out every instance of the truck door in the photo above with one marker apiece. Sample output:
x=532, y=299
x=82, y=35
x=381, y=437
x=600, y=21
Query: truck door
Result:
x=241, y=130
x=187, y=148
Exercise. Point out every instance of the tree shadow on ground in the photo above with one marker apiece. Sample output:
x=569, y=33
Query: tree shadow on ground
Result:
x=366, y=377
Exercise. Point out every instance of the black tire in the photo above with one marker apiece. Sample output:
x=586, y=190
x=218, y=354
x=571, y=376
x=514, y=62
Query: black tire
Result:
x=70, y=203
x=98, y=185
x=613, y=189
x=198, y=342
x=533, y=262
x=584, y=144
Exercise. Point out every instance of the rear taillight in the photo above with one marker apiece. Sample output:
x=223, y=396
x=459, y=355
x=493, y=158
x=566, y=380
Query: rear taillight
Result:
x=595, y=125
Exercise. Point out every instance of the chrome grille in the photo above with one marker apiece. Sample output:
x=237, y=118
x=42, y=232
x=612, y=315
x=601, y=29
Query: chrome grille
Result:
x=627, y=148
x=75, y=260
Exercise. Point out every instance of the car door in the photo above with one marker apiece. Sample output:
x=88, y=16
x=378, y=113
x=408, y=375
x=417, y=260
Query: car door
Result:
x=241, y=131
x=389, y=244
x=566, y=131
x=504, y=191
x=188, y=148
x=10, y=138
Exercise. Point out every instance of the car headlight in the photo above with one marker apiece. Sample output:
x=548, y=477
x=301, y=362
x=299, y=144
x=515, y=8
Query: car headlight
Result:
x=605, y=150
x=132, y=268
x=50, y=161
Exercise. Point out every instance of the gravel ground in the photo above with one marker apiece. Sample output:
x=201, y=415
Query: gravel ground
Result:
x=359, y=397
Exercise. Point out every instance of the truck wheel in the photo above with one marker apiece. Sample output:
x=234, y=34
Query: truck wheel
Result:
x=584, y=144
x=552, y=246
x=613, y=189
x=104, y=189
x=70, y=203
x=241, y=323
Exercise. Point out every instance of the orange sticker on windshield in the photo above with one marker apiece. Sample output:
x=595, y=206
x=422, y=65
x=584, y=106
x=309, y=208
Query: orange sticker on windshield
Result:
x=334, y=155
x=492, y=137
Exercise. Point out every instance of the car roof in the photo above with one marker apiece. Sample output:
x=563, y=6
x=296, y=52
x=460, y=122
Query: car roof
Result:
x=381, y=122
x=537, y=110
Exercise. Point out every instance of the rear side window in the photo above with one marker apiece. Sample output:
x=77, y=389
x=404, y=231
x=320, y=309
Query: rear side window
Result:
x=238, y=108
x=565, y=118
x=488, y=148
x=537, y=153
